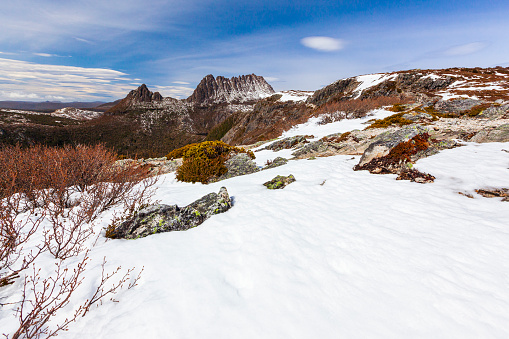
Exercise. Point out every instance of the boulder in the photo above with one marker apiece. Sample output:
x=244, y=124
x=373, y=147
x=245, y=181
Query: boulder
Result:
x=498, y=134
x=417, y=117
x=494, y=112
x=159, y=218
x=456, y=105
x=279, y=161
x=279, y=182
x=383, y=143
x=239, y=164
x=287, y=143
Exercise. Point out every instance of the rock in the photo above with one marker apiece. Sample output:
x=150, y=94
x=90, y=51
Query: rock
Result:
x=417, y=117
x=494, y=112
x=456, y=105
x=498, y=134
x=220, y=89
x=279, y=161
x=383, y=143
x=415, y=176
x=494, y=193
x=287, y=143
x=279, y=182
x=239, y=164
x=161, y=218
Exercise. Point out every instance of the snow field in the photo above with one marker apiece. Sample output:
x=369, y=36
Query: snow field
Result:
x=335, y=254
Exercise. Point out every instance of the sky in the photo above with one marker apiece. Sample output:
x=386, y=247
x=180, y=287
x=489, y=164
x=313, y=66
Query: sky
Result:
x=97, y=50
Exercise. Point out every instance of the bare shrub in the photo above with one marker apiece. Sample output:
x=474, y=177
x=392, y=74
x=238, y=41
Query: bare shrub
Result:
x=42, y=299
x=73, y=185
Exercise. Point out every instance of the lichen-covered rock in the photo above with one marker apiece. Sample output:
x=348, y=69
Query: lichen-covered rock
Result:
x=240, y=164
x=279, y=182
x=287, y=143
x=456, y=105
x=279, y=161
x=383, y=143
x=498, y=134
x=417, y=117
x=161, y=218
x=494, y=112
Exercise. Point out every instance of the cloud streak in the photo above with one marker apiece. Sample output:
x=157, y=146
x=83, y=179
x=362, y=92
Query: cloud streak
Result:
x=323, y=43
x=33, y=81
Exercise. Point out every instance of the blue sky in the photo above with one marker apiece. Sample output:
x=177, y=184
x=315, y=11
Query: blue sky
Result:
x=99, y=50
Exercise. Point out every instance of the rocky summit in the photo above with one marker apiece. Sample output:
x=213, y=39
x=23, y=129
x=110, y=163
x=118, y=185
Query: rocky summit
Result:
x=236, y=89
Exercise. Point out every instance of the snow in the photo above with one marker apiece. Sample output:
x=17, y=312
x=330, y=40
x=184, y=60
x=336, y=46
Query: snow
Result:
x=370, y=80
x=338, y=253
x=293, y=95
x=311, y=127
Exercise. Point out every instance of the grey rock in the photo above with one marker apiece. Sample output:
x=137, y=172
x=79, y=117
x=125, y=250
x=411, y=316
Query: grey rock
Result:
x=499, y=134
x=383, y=143
x=240, y=164
x=417, y=117
x=287, y=143
x=456, y=105
x=494, y=112
x=279, y=161
x=310, y=148
x=279, y=182
x=161, y=218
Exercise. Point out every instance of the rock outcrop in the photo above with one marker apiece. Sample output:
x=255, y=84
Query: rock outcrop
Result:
x=240, y=164
x=236, y=89
x=498, y=134
x=279, y=182
x=161, y=218
x=385, y=142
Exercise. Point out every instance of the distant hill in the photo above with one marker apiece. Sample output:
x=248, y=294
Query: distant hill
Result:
x=47, y=105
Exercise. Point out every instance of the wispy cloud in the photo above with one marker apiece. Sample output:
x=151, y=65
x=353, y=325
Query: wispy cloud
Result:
x=323, y=43
x=465, y=49
x=34, y=81
x=181, y=82
x=48, y=55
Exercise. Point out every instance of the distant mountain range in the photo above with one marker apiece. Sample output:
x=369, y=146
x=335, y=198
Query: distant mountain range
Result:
x=48, y=105
x=246, y=109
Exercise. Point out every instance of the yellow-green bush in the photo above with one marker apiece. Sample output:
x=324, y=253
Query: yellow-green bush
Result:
x=205, y=160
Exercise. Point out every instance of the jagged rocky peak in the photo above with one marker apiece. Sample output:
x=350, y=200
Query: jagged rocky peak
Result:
x=143, y=94
x=236, y=89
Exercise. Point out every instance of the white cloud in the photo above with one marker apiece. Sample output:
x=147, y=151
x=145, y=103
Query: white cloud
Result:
x=179, y=92
x=271, y=79
x=465, y=49
x=33, y=81
x=323, y=43
x=181, y=82
x=47, y=55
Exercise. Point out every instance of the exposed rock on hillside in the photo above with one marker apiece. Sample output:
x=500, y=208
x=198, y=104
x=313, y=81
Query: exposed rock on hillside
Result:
x=236, y=89
x=385, y=142
x=498, y=134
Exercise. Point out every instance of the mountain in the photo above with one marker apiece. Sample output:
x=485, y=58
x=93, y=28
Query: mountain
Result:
x=236, y=89
x=140, y=97
x=245, y=109
x=47, y=105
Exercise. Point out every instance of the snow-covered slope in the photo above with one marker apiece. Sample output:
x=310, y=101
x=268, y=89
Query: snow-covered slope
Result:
x=338, y=253
x=76, y=113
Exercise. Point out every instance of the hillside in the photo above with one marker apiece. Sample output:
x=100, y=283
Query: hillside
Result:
x=336, y=253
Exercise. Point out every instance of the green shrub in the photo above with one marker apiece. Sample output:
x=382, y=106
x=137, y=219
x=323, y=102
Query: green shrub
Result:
x=205, y=160
x=395, y=119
